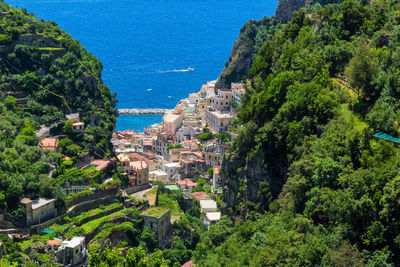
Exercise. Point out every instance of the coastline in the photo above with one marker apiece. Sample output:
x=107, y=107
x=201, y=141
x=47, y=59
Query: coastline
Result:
x=142, y=111
x=137, y=122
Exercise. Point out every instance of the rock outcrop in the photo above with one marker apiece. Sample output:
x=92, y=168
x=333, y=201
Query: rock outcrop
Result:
x=241, y=56
x=245, y=47
x=285, y=8
x=249, y=181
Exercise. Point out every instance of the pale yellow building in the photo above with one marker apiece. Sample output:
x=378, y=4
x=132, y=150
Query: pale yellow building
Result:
x=218, y=122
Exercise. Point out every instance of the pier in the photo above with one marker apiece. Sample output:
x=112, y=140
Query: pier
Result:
x=142, y=111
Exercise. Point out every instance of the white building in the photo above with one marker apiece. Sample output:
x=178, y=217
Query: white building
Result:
x=209, y=207
x=72, y=252
x=194, y=99
x=211, y=218
x=171, y=168
x=238, y=90
x=159, y=175
x=186, y=133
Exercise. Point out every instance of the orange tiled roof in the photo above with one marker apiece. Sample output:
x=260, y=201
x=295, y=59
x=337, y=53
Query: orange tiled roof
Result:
x=49, y=143
x=186, y=182
x=54, y=242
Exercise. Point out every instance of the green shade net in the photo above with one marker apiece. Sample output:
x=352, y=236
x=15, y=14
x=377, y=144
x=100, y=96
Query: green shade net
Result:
x=48, y=232
x=387, y=137
x=172, y=187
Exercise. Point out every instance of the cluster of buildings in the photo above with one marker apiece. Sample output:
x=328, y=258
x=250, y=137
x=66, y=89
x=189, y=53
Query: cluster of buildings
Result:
x=170, y=152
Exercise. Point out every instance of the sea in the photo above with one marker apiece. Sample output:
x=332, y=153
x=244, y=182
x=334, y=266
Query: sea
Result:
x=152, y=44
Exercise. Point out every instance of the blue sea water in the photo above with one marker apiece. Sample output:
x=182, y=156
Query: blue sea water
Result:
x=146, y=44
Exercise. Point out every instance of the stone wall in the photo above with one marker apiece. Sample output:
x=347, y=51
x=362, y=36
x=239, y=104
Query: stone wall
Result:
x=138, y=188
x=95, y=195
x=81, y=207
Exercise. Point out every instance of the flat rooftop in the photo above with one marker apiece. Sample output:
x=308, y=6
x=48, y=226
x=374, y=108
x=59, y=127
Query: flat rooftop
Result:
x=158, y=172
x=156, y=212
x=170, y=117
x=222, y=115
x=208, y=204
x=37, y=203
x=213, y=216
x=74, y=242
x=171, y=165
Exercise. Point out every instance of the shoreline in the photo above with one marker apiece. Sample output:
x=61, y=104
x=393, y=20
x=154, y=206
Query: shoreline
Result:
x=142, y=111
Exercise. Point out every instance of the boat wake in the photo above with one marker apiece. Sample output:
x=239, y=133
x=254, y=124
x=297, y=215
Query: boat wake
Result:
x=182, y=70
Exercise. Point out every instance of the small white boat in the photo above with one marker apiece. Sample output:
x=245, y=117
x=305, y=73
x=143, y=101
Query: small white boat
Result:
x=149, y=90
x=169, y=97
x=190, y=69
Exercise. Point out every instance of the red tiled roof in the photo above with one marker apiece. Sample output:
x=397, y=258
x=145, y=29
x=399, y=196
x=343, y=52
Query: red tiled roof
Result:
x=200, y=195
x=186, y=182
x=147, y=143
x=54, y=242
x=138, y=157
x=49, y=143
x=188, y=264
x=186, y=160
x=149, y=155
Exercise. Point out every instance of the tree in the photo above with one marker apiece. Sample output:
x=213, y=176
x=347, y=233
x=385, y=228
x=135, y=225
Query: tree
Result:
x=67, y=129
x=361, y=70
x=149, y=239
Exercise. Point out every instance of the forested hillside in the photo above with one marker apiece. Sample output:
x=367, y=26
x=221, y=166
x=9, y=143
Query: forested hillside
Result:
x=305, y=153
x=44, y=76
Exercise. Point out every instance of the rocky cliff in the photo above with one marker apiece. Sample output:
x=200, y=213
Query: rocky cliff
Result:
x=241, y=56
x=252, y=35
x=285, y=8
x=244, y=178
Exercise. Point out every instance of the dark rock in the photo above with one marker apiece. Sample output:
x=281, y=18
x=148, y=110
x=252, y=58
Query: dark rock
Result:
x=286, y=7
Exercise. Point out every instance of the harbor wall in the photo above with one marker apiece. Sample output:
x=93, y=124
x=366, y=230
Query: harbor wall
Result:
x=142, y=111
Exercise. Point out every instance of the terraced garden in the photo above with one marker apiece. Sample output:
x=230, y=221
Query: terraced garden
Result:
x=68, y=224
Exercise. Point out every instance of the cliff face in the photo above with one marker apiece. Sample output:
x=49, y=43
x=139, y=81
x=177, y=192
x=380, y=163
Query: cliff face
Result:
x=244, y=178
x=252, y=180
x=285, y=8
x=252, y=35
x=241, y=56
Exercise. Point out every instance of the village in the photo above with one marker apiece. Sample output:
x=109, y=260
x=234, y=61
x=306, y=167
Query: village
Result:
x=181, y=155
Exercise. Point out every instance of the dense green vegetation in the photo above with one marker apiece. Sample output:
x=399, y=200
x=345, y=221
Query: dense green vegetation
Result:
x=45, y=75
x=305, y=182
x=318, y=91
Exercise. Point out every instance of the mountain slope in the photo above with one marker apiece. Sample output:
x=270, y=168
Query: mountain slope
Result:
x=318, y=91
x=44, y=76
